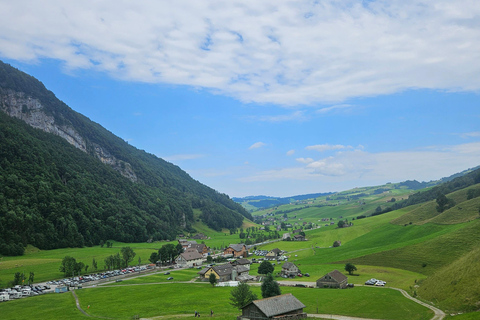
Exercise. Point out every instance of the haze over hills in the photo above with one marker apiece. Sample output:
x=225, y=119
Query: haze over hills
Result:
x=67, y=181
x=253, y=203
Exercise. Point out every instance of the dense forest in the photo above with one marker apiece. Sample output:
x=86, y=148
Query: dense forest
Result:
x=54, y=195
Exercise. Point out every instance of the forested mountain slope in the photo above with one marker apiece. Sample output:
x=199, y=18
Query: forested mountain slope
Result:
x=67, y=181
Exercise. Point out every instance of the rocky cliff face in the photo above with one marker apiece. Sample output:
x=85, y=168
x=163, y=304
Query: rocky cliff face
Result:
x=18, y=105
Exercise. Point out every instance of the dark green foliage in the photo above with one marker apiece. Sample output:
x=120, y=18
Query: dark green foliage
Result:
x=52, y=195
x=341, y=224
x=127, y=255
x=70, y=266
x=241, y=295
x=153, y=257
x=265, y=267
x=443, y=203
x=212, y=279
x=270, y=287
x=349, y=267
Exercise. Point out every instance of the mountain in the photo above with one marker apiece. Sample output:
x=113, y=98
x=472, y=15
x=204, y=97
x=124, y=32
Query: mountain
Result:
x=261, y=202
x=66, y=181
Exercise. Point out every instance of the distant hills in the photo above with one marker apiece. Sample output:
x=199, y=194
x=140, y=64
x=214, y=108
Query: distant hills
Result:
x=66, y=181
x=253, y=203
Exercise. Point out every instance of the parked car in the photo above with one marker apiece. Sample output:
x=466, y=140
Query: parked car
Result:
x=166, y=273
x=170, y=278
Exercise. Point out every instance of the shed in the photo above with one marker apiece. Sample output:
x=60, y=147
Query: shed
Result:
x=284, y=306
x=333, y=279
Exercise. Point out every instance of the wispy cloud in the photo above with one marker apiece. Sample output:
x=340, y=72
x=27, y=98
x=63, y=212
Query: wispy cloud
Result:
x=340, y=107
x=327, y=147
x=286, y=53
x=473, y=134
x=257, y=145
x=290, y=152
x=346, y=168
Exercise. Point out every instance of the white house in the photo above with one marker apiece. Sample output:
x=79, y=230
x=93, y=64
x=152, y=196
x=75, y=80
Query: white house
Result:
x=189, y=259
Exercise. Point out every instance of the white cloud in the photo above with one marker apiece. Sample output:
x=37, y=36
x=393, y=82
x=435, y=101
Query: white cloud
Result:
x=359, y=168
x=339, y=107
x=304, y=160
x=290, y=152
x=473, y=134
x=327, y=147
x=257, y=145
x=286, y=53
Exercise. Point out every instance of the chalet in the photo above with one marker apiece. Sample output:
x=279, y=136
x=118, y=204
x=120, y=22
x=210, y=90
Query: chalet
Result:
x=289, y=269
x=186, y=243
x=224, y=272
x=200, y=247
x=273, y=254
x=199, y=236
x=189, y=258
x=242, y=262
x=285, y=236
x=237, y=250
x=284, y=306
x=298, y=237
x=333, y=279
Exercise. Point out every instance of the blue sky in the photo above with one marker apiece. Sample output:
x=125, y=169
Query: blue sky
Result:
x=274, y=98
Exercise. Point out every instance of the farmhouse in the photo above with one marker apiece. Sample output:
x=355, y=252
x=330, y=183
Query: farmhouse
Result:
x=274, y=253
x=224, y=272
x=237, y=250
x=299, y=237
x=284, y=306
x=200, y=247
x=190, y=258
x=333, y=279
x=289, y=269
x=242, y=262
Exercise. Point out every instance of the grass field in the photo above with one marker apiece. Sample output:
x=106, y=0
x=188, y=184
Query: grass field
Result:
x=177, y=299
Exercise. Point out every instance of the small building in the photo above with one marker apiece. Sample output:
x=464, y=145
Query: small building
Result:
x=190, y=258
x=333, y=279
x=298, y=237
x=237, y=250
x=284, y=306
x=199, y=236
x=224, y=272
x=285, y=236
x=200, y=247
x=274, y=253
x=289, y=269
x=61, y=289
x=242, y=262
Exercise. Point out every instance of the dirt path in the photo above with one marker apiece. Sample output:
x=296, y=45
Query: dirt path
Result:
x=439, y=314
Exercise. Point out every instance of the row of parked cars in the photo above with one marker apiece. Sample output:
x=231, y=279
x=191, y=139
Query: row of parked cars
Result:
x=77, y=281
x=18, y=292
x=375, y=282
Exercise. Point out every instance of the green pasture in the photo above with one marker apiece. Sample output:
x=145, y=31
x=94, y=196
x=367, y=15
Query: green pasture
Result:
x=45, y=263
x=160, y=277
x=175, y=299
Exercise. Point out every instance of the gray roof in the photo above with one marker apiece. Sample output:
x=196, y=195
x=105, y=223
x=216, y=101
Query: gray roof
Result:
x=223, y=269
x=277, y=305
x=337, y=276
x=288, y=265
x=237, y=247
x=198, y=246
x=242, y=269
x=191, y=255
x=276, y=250
x=242, y=261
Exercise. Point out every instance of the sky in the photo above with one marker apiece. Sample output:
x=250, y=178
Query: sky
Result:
x=276, y=98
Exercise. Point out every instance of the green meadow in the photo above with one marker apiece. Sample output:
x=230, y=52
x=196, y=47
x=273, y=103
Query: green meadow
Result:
x=176, y=299
x=435, y=257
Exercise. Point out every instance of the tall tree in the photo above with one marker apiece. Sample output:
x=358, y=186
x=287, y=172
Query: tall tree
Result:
x=212, y=279
x=127, y=255
x=241, y=295
x=265, y=267
x=270, y=287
